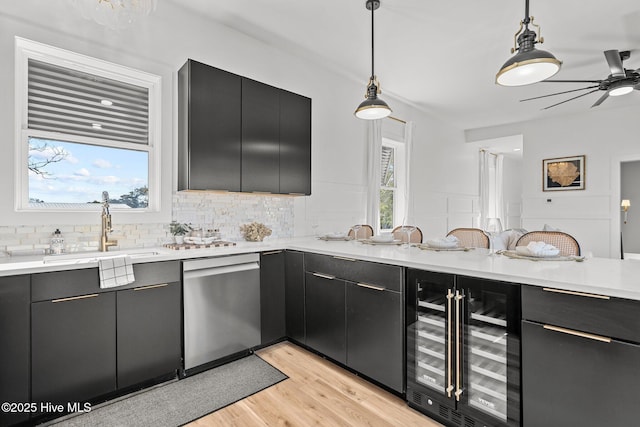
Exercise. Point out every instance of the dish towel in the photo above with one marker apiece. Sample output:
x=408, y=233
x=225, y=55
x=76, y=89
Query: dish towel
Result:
x=115, y=271
x=538, y=249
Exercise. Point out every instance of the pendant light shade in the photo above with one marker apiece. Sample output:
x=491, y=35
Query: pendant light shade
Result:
x=372, y=108
x=529, y=65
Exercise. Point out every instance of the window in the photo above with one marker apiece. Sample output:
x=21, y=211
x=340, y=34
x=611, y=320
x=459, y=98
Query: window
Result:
x=84, y=126
x=392, y=184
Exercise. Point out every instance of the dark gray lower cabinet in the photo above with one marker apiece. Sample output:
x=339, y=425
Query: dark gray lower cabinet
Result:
x=15, y=299
x=73, y=348
x=149, y=335
x=325, y=315
x=272, y=296
x=570, y=380
x=375, y=333
x=294, y=295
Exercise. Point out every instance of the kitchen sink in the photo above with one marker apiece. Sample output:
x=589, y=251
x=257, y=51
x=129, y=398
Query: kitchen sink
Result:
x=94, y=256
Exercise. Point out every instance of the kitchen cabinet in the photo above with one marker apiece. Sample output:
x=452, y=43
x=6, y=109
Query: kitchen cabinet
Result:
x=580, y=356
x=295, y=143
x=88, y=342
x=375, y=333
x=238, y=134
x=463, y=348
x=209, y=128
x=15, y=299
x=294, y=296
x=360, y=318
x=149, y=333
x=325, y=322
x=260, y=137
x=272, y=296
x=73, y=348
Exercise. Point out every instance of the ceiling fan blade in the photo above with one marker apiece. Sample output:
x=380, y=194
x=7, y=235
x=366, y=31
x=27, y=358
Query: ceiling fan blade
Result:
x=571, y=99
x=571, y=81
x=558, y=93
x=615, y=63
x=601, y=99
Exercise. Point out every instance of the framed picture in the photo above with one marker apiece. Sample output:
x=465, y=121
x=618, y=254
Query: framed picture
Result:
x=562, y=174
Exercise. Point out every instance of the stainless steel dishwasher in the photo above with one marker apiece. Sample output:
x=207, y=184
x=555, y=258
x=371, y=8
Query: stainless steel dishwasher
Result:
x=221, y=308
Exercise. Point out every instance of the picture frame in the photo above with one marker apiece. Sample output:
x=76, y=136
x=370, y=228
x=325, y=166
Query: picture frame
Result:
x=563, y=174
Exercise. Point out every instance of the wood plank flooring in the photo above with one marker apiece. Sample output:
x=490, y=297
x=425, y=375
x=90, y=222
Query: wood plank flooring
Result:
x=316, y=393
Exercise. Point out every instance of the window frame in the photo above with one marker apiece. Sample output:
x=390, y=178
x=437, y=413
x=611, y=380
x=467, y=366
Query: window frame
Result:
x=399, y=191
x=27, y=49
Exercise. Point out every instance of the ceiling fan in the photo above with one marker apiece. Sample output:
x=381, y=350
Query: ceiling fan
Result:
x=620, y=82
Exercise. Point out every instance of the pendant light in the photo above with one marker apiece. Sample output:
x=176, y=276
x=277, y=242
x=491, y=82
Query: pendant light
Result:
x=372, y=107
x=529, y=65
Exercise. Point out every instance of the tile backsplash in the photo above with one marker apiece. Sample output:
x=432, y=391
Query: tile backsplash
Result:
x=226, y=212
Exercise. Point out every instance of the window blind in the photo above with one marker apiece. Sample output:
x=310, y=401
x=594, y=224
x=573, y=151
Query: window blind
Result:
x=77, y=103
x=386, y=167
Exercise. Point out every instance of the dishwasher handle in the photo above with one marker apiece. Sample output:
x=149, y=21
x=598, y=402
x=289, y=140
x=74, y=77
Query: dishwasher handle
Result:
x=214, y=271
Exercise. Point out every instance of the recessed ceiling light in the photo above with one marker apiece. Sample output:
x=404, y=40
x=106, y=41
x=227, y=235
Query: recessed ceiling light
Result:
x=517, y=149
x=106, y=102
x=96, y=125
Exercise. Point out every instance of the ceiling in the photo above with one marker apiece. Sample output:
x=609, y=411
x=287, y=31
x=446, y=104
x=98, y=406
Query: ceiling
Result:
x=442, y=56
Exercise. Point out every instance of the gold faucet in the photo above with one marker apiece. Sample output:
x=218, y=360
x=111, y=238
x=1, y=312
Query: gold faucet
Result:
x=106, y=225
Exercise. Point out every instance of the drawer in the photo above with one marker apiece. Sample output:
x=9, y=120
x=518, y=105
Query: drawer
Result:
x=63, y=284
x=389, y=276
x=597, y=314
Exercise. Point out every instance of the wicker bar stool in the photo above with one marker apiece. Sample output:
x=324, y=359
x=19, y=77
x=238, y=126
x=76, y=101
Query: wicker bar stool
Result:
x=567, y=244
x=470, y=237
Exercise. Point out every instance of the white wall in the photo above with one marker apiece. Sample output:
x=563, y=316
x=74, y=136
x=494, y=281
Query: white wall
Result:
x=604, y=136
x=444, y=169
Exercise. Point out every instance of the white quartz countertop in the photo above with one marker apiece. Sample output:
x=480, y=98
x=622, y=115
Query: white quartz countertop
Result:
x=612, y=277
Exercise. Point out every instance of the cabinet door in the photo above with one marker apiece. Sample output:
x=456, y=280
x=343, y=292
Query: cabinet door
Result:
x=260, y=137
x=375, y=334
x=14, y=356
x=73, y=348
x=272, y=299
x=295, y=143
x=294, y=295
x=570, y=380
x=149, y=327
x=325, y=315
x=209, y=128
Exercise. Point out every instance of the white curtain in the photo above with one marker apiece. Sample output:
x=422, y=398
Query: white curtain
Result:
x=491, y=200
x=374, y=151
x=408, y=217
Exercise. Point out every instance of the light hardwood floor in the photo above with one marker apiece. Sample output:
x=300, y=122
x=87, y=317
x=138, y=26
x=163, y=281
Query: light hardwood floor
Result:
x=317, y=392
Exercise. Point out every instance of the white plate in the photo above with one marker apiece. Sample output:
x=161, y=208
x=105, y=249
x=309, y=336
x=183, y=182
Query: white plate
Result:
x=378, y=239
x=439, y=244
x=373, y=242
x=523, y=250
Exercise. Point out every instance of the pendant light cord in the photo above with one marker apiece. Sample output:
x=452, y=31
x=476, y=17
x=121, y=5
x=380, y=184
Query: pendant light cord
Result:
x=372, y=41
x=526, y=14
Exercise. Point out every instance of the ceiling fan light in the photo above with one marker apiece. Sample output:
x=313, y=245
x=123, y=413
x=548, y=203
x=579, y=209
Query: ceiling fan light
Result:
x=525, y=68
x=621, y=90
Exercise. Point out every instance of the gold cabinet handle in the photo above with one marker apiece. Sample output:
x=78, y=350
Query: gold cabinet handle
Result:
x=368, y=286
x=143, y=288
x=580, y=294
x=458, y=392
x=449, y=345
x=345, y=259
x=74, y=298
x=324, y=276
x=272, y=252
x=577, y=333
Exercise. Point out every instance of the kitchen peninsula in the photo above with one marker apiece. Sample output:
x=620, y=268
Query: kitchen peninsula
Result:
x=585, y=311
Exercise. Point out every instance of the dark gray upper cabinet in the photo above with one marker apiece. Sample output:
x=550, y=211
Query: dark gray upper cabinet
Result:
x=295, y=143
x=238, y=134
x=209, y=128
x=260, y=137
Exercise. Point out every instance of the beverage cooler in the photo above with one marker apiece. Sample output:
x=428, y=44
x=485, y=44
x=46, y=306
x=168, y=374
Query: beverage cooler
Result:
x=463, y=349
